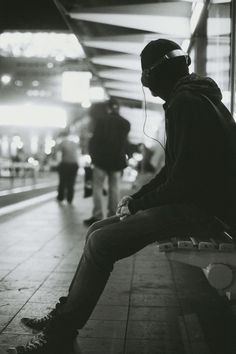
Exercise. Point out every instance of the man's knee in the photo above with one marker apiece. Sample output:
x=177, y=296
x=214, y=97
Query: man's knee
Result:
x=92, y=228
x=98, y=247
x=97, y=251
x=101, y=224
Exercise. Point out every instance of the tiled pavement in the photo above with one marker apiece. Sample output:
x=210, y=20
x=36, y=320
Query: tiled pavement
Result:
x=149, y=306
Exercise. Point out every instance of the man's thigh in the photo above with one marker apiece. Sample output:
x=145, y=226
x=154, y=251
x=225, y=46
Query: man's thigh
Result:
x=120, y=239
x=101, y=224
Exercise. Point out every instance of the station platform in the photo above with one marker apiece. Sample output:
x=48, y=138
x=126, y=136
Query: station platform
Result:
x=14, y=190
x=150, y=305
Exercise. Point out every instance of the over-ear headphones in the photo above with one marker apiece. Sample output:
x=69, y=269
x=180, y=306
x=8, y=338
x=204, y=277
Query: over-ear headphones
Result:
x=145, y=78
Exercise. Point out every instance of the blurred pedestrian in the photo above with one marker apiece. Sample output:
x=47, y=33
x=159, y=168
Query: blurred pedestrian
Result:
x=68, y=167
x=108, y=154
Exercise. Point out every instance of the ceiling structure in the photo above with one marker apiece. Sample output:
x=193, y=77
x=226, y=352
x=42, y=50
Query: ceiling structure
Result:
x=28, y=15
x=113, y=37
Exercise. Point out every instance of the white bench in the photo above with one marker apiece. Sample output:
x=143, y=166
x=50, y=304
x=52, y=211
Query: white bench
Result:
x=215, y=256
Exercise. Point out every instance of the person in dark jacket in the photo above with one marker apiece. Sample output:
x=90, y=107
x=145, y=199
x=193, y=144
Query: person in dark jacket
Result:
x=108, y=153
x=187, y=195
x=195, y=166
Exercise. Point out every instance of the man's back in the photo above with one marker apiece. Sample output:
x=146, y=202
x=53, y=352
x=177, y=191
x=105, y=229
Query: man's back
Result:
x=69, y=150
x=107, y=146
x=196, y=169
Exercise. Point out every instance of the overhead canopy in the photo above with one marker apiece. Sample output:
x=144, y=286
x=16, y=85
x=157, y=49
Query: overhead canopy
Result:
x=113, y=33
x=113, y=36
x=117, y=35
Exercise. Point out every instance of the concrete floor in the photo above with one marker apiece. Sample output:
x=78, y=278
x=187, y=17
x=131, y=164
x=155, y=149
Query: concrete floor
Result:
x=150, y=306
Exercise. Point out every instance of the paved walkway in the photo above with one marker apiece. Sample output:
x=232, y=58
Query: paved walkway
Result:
x=150, y=306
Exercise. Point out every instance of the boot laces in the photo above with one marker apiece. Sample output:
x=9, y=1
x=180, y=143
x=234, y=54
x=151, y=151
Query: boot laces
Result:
x=45, y=318
x=34, y=344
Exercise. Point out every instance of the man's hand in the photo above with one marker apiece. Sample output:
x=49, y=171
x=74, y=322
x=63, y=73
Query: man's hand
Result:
x=124, y=212
x=123, y=202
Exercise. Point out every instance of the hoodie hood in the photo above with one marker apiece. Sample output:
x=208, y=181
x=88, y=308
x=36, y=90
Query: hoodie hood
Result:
x=199, y=85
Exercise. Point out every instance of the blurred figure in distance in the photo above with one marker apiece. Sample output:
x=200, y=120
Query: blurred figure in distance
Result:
x=108, y=154
x=68, y=167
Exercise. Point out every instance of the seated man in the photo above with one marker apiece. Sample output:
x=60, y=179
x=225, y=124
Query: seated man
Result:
x=191, y=190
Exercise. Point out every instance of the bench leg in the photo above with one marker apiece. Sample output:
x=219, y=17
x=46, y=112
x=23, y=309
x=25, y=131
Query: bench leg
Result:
x=219, y=276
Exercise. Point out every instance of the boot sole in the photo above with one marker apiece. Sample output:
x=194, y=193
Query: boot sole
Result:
x=33, y=330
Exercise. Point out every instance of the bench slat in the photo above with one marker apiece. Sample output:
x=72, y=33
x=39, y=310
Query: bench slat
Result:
x=206, y=245
x=165, y=246
x=182, y=242
x=221, y=242
x=225, y=245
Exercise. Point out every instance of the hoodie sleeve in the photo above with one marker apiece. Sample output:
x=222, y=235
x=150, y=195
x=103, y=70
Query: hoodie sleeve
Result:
x=151, y=185
x=194, y=157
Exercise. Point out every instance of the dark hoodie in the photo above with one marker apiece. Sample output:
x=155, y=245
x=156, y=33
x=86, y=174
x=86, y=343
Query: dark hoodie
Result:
x=195, y=170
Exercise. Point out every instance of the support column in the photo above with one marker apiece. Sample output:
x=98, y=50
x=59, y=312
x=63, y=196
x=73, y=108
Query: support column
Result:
x=200, y=45
x=233, y=56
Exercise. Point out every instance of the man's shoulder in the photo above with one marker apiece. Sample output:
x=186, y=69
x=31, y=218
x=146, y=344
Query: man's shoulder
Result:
x=185, y=98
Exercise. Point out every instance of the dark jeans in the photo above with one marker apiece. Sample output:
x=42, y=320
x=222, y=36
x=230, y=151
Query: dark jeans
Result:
x=110, y=240
x=67, y=176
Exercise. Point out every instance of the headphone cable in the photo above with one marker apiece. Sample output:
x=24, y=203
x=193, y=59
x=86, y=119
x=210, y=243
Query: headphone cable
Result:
x=145, y=122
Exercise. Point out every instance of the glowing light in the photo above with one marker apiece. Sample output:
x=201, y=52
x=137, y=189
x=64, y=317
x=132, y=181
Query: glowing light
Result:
x=197, y=7
x=60, y=57
x=33, y=162
x=137, y=156
x=74, y=138
x=75, y=86
x=40, y=45
x=6, y=79
x=86, y=104
x=33, y=115
x=226, y=97
x=35, y=83
x=18, y=83
x=185, y=45
x=49, y=144
x=85, y=160
x=34, y=144
x=5, y=145
x=17, y=141
x=97, y=93
x=50, y=65
x=40, y=93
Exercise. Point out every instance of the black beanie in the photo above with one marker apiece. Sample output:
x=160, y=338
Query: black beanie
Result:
x=155, y=50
